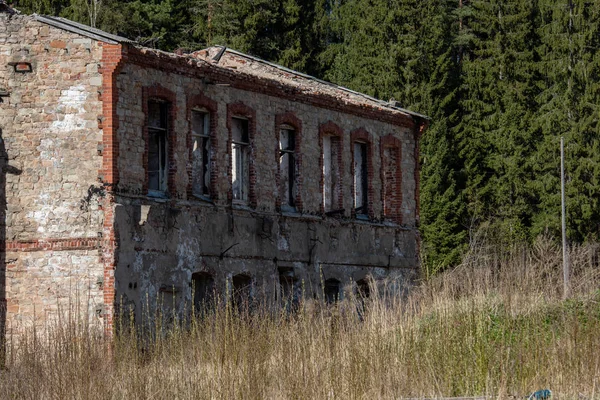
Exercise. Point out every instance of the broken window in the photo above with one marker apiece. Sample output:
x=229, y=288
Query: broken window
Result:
x=360, y=178
x=332, y=291
x=240, y=154
x=201, y=153
x=241, y=292
x=203, y=287
x=332, y=147
x=158, y=162
x=287, y=167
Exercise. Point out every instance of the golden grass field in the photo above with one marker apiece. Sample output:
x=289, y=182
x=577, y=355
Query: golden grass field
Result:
x=495, y=326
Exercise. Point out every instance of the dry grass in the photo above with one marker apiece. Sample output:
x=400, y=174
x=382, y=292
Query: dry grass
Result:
x=495, y=326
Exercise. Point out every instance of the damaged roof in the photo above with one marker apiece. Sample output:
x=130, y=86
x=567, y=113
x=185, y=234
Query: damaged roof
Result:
x=229, y=59
x=308, y=84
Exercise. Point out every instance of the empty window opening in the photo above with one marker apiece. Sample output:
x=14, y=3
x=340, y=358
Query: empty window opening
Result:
x=203, y=286
x=360, y=178
x=288, y=285
x=201, y=153
x=287, y=167
x=332, y=291
x=241, y=292
x=363, y=290
x=331, y=173
x=157, y=146
x=240, y=154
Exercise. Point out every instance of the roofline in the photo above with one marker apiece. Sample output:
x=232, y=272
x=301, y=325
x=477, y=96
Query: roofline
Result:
x=82, y=29
x=97, y=34
x=342, y=88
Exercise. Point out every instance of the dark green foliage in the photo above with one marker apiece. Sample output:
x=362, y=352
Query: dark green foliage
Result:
x=501, y=79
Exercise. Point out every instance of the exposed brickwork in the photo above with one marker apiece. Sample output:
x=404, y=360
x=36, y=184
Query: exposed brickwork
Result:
x=290, y=118
x=187, y=66
x=241, y=110
x=111, y=64
x=391, y=176
x=54, y=244
x=200, y=101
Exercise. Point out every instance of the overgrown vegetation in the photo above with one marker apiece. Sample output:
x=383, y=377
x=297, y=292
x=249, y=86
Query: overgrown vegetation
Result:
x=496, y=325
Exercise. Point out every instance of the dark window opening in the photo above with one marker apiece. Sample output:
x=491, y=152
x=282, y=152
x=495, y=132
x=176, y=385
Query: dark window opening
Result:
x=157, y=146
x=332, y=291
x=203, y=287
x=201, y=153
x=241, y=292
x=361, y=178
x=240, y=154
x=287, y=167
x=288, y=285
x=363, y=290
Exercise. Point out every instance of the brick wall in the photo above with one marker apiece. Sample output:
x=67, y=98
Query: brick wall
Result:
x=55, y=204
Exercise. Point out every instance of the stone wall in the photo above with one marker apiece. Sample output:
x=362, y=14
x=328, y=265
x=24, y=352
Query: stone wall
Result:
x=162, y=242
x=52, y=226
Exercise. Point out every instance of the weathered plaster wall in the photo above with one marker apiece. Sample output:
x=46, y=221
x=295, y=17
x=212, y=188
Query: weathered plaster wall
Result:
x=50, y=137
x=162, y=242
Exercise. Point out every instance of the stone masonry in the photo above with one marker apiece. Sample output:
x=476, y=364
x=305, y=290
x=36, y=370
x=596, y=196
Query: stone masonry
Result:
x=102, y=153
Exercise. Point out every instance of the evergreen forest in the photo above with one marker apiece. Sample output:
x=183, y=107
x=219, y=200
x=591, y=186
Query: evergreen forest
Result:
x=502, y=81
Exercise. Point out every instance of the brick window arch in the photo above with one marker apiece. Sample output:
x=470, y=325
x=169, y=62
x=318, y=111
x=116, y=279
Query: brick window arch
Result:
x=391, y=178
x=201, y=106
x=242, y=171
x=331, y=142
x=362, y=173
x=158, y=99
x=289, y=161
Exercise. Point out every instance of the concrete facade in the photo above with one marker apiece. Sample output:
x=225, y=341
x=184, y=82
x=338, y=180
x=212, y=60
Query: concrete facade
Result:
x=100, y=161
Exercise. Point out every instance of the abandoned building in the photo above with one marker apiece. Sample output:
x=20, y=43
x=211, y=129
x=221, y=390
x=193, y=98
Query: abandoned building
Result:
x=129, y=172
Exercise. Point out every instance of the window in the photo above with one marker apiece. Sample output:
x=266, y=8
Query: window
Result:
x=287, y=167
x=288, y=285
x=158, y=163
x=363, y=290
x=201, y=153
x=203, y=292
x=241, y=292
x=331, y=173
x=240, y=154
x=360, y=178
x=332, y=291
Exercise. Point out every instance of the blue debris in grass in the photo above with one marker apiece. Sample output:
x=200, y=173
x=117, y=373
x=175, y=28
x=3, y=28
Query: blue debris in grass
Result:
x=543, y=394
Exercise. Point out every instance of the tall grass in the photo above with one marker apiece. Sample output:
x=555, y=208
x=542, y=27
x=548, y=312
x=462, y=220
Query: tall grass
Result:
x=495, y=326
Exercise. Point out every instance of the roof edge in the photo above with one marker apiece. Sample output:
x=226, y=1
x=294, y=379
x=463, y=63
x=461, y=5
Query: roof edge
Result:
x=81, y=29
x=333, y=85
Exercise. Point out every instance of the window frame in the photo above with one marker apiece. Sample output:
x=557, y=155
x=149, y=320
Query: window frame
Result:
x=330, y=129
x=202, y=103
x=289, y=121
x=157, y=93
x=162, y=132
x=207, y=159
x=363, y=137
x=242, y=111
